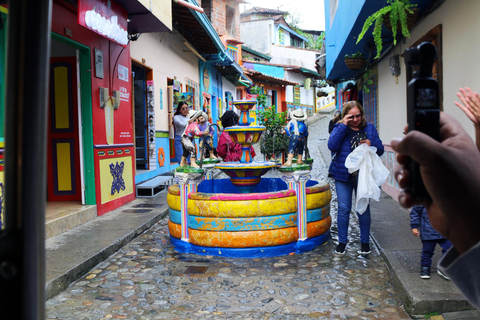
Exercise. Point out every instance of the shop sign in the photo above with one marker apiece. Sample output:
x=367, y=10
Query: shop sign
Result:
x=106, y=18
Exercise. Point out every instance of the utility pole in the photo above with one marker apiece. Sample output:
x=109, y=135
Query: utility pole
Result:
x=22, y=241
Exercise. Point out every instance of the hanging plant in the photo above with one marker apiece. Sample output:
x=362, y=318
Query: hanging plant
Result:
x=355, y=61
x=397, y=11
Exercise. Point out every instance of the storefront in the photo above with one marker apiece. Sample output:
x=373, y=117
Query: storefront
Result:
x=91, y=143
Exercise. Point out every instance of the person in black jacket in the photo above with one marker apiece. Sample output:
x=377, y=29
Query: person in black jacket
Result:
x=337, y=115
x=420, y=225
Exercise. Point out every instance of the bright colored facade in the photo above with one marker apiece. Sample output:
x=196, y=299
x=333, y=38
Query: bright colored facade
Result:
x=446, y=24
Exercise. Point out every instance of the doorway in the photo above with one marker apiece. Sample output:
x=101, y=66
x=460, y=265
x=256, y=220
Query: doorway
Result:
x=140, y=114
x=64, y=167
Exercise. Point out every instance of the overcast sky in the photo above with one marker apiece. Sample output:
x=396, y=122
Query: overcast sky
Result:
x=311, y=12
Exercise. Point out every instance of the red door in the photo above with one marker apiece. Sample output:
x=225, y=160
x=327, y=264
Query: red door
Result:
x=63, y=168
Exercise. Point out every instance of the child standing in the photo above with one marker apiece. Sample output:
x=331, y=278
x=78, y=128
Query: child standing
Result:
x=430, y=237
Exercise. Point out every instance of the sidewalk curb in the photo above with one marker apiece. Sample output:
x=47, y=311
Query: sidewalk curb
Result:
x=62, y=281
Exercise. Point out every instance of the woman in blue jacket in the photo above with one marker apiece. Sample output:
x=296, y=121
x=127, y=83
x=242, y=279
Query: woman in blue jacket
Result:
x=348, y=134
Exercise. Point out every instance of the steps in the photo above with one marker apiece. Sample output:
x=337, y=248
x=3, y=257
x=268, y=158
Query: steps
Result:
x=152, y=187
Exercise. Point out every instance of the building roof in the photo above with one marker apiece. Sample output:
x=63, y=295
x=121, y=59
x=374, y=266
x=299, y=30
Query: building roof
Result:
x=257, y=76
x=264, y=11
x=257, y=53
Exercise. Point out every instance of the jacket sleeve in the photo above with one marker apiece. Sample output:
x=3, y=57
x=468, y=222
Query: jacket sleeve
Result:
x=415, y=215
x=222, y=146
x=372, y=135
x=337, y=136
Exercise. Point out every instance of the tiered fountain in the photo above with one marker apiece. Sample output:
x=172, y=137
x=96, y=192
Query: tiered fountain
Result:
x=245, y=174
x=247, y=215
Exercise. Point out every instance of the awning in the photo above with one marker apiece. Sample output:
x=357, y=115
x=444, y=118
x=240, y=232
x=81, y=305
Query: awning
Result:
x=156, y=18
x=305, y=72
x=257, y=76
x=339, y=70
x=196, y=29
x=200, y=34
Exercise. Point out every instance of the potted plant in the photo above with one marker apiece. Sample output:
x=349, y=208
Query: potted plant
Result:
x=355, y=61
x=274, y=141
x=397, y=12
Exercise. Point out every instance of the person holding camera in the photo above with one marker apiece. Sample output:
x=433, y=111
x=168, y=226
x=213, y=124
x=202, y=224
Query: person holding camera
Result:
x=348, y=134
x=452, y=178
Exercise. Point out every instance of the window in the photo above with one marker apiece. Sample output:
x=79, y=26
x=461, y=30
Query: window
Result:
x=207, y=7
x=232, y=50
x=230, y=24
x=435, y=37
x=281, y=36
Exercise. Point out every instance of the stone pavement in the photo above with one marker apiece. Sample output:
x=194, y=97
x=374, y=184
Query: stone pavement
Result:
x=122, y=266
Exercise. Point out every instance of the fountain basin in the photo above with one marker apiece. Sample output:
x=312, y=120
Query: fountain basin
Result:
x=258, y=224
x=245, y=176
x=246, y=136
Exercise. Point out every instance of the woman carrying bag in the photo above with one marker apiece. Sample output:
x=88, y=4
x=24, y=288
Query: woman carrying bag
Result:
x=348, y=134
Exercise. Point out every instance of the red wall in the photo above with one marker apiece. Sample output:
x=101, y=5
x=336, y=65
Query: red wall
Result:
x=65, y=17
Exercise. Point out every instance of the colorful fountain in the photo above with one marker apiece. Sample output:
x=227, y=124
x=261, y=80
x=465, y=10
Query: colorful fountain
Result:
x=247, y=215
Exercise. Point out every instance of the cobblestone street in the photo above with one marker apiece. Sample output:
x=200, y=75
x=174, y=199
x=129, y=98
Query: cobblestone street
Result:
x=147, y=279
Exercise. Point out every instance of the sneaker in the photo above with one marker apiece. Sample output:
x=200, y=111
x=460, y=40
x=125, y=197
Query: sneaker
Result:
x=443, y=275
x=365, y=249
x=425, y=273
x=340, y=248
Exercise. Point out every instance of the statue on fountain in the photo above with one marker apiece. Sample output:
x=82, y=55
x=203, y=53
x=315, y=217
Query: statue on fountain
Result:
x=188, y=138
x=203, y=124
x=297, y=131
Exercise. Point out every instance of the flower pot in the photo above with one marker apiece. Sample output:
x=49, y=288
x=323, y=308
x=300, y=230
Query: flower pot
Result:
x=411, y=19
x=355, y=63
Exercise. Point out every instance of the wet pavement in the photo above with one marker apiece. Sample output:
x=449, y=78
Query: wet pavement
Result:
x=147, y=279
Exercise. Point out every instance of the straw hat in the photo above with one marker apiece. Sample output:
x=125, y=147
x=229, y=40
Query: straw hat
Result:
x=299, y=114
x=194, y=114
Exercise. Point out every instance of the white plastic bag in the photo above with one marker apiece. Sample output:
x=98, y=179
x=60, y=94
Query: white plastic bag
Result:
x=371, y=174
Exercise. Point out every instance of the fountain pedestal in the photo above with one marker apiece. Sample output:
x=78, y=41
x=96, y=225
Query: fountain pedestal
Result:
x=296, y=178
x=245, y=174
x=188, y=179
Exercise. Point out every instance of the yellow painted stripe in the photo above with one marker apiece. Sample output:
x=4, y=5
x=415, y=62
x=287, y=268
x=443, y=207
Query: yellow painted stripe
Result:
x=327, y=105
x=61, y=98
x=64, y=167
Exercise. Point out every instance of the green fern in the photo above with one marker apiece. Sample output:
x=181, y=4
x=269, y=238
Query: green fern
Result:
x=397, y=10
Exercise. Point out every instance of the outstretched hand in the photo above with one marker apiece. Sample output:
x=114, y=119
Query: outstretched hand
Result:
x=451, y=176
x=470, y=104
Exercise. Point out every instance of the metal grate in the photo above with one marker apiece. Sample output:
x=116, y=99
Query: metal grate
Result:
x=136, y=210
x=148, y=205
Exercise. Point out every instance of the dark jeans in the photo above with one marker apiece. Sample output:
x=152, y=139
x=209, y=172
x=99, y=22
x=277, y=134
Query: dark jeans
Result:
x=429, y=248
x=296, y=144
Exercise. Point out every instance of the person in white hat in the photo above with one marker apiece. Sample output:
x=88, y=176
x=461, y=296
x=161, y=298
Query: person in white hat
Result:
x=297, y=131
x=188, y=138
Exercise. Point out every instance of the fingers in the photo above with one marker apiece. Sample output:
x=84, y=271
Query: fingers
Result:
x=417, y=145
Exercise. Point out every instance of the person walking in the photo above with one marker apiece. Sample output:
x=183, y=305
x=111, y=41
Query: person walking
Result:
x=421, y=226
x=180, y=122
x=346, y=135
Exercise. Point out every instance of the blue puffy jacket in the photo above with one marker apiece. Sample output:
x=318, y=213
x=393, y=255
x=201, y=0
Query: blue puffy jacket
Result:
x=419, y=219
x=339, y=143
